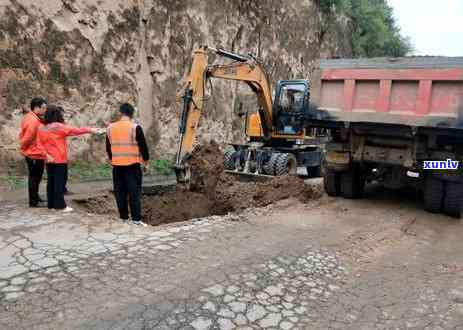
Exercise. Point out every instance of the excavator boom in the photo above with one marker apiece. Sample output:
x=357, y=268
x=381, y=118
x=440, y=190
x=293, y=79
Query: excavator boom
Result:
x=243, y=68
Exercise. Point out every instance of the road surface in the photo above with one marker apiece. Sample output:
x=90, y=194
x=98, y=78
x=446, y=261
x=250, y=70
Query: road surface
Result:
x=376, y=263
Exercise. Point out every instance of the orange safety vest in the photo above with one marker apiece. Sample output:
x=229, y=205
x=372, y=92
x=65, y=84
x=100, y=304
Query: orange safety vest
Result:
x=124, y=146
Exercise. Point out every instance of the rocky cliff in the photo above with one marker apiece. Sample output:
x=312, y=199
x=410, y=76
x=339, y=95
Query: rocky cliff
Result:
x=90, y=55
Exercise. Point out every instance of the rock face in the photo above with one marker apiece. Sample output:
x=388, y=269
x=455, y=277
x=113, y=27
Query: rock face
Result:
x=91, y=55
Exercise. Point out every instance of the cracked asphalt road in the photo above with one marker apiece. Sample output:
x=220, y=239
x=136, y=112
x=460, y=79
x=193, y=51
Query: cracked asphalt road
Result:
x=377, y=263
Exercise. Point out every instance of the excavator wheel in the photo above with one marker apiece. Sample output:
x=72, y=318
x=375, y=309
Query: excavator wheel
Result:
x=269, y=167
x=285, y=164
x=228, y=162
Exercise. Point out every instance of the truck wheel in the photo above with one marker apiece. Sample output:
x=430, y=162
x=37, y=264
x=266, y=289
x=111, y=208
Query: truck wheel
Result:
x=331, y=183
x=314, y=172
x=228, y=162
x=285, y=164
x=269, y=167
x=433, y=195
x=352, y=184
x=453, y=200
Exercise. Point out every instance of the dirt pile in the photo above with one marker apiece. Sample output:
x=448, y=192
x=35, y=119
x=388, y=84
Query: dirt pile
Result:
x=206, y=166
x=236, y=195
x=229, y=195
x=212, y=192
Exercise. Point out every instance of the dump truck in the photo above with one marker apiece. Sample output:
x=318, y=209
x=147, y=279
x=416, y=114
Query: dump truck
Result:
x=394, y=121
x=277, y=139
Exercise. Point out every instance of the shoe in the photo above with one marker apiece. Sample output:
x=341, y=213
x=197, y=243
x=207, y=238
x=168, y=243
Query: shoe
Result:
x=68, y=209
x=139, y=223
x=124, y=220
x=38, y=205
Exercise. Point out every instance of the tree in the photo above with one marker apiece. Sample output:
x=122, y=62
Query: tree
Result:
x=375, y=30
x=327, y=5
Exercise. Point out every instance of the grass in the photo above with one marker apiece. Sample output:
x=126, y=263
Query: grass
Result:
x=161, y=166
x=81, y=171
x=12, y=182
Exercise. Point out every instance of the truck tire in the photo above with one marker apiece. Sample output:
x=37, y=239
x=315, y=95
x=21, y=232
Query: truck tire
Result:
x=314, y=172
x=352, y=184
x=453, y=200
x=228, y=162
x=285, y=164
x=433, y=195
x=331, y=183
x=269, y=167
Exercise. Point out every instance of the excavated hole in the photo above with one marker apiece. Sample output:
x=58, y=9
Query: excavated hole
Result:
x=166, y=207
x=212, y=192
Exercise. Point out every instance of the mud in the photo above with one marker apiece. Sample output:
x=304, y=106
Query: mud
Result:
x=206, y=166
x=211, y=192
x=177, y=206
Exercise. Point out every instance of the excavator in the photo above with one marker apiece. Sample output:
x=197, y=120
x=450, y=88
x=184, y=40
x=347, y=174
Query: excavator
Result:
x=278, y=142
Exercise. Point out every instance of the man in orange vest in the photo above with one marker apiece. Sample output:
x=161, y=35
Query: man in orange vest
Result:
x=127, y=150
x=35, y=156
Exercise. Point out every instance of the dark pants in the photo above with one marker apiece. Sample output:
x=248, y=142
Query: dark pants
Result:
x=66, y=180
x=35, y=168
x=55, y=186
x=127, y=188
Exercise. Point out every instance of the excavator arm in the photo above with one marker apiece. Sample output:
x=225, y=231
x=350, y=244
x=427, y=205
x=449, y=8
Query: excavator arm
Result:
x=243, y=68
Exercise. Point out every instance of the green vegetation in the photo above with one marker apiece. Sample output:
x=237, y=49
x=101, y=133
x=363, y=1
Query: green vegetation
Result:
x=327, y=5
x=375, y=30
x=12, y=182
x=161, y=166
x=81, y=171
x=84, y=171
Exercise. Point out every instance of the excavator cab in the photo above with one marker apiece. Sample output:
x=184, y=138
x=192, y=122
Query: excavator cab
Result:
x=290, y=103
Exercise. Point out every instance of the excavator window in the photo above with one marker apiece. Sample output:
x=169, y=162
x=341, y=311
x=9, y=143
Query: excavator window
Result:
x=289, y=109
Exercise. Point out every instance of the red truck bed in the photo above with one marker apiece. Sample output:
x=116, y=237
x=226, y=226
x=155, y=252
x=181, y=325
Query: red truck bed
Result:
x=423, y=91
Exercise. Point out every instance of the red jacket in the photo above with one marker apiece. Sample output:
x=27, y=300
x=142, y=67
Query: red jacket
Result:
x=52, y=139
x=28, y=136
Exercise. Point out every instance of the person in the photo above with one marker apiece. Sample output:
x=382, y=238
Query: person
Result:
x=35, y=158
x=127, y=150
x=52, y=139
x=66, y=175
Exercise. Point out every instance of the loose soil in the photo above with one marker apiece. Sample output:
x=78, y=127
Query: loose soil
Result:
x=211, y=192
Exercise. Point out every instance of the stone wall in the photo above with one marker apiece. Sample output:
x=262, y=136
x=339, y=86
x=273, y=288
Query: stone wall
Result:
x=91, y=55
